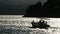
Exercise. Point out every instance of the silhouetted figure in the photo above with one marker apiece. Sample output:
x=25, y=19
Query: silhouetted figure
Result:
x=42, y=24
x=34, y=25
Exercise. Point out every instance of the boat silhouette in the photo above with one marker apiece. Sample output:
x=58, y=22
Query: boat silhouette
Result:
x=41, y=24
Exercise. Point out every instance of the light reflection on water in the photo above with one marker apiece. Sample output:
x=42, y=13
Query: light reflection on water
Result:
x=26, y=30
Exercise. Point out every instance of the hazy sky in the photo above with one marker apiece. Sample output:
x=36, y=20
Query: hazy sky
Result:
x=16, y=5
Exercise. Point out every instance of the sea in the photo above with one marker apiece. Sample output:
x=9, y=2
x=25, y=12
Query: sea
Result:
x=17, y=24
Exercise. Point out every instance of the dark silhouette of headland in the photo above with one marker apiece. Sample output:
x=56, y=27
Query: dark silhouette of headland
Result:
x=49, y=9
